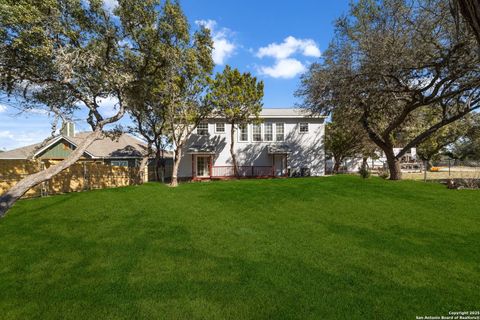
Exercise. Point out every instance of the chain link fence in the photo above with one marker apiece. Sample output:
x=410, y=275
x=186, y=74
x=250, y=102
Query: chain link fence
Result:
x=446, y=169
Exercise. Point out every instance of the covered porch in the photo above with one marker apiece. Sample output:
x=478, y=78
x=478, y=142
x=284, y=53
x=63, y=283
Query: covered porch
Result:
x=202, y=162
x=203, y=165
x=279, y=155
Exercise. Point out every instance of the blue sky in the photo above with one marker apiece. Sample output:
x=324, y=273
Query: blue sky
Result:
x=274, y=40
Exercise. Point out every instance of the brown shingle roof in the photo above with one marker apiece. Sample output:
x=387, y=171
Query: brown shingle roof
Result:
x=124, y=146
x=20, y=153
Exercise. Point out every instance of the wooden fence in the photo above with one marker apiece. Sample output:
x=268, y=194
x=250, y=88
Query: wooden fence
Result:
x=83, y=175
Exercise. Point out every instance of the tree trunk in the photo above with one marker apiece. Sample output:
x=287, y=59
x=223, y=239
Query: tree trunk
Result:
x=8, y=199
x=365, y=163
x=393, y=165
x=429, y=164
x=162, y=165
x=157, y=166
x=176, y=164
x=232, y=149
x=336, y=165
x=141, y=170
x=470, y=10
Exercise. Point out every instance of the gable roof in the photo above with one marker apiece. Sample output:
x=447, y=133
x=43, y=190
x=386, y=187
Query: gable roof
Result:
x=53, y=142
x=19, y=153
x=282, y=113
x=286, y=113
x=125, y=146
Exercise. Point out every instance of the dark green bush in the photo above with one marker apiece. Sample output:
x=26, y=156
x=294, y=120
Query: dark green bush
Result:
x=364, y=172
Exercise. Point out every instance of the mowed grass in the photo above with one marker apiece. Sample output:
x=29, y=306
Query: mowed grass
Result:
x=315, y=248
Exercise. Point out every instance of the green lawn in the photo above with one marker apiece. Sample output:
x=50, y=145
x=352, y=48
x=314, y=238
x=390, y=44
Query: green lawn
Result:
x=319, y=248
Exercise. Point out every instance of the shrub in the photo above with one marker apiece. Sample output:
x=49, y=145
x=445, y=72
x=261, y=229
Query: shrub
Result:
x=470, y=183
x=364, y=172
x=383, y=173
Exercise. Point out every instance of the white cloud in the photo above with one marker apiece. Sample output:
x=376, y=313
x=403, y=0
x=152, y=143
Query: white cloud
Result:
x=38, y=111
x=3, y=108
x=223, y=47
x=20, y=138
x=222, y=51
x=284, y=68
x=209, y=24
x=6, y=134
x=110, y=4
x=108, y=106
x=288, y=47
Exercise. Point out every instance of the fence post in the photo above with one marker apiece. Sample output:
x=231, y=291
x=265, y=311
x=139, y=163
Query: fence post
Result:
x=44, y=184
x=449, y=166
x=84, y=177
x=425, y=164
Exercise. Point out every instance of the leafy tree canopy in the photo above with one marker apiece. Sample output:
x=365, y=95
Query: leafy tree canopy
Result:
x=390, y=58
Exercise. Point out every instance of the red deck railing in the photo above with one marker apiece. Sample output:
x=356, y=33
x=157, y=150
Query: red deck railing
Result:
x=243, y=171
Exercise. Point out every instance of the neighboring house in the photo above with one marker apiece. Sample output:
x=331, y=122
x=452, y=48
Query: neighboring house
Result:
x=124, y=151
x=408, y=162
x=287, y=142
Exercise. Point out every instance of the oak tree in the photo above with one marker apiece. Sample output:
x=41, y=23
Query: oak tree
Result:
x=388, y=60
x=65, y=56
x=237, y=98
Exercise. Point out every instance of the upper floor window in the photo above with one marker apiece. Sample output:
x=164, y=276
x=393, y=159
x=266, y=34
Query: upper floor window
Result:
x=220, y=127
x=303, y=127
x=268, y=128
x=279, y=132
x=243, y=134
x=202, y=129
x=257, y=132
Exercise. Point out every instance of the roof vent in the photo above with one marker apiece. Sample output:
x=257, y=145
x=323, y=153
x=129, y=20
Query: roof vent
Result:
x=68, y=129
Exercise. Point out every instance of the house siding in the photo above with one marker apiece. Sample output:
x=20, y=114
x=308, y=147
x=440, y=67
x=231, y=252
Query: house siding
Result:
x=59, y=150
x=307, y=149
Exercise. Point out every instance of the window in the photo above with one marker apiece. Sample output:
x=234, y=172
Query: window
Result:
x=119, y=163
x=243, y=136
x=279, y=132
x=220, y=127
x=257, y=132
x=268, y=135
x=202, y=129
x=303, y=127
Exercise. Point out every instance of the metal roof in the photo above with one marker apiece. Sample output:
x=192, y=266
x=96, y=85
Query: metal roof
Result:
x=282, y=113
x=287, y=113
x=203, y=149
x=275, y=149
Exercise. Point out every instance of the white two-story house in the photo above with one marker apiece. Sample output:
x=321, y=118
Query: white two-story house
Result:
x=286, y=142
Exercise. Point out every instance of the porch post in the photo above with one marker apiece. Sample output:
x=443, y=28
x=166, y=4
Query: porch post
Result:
x=193, y=166
x=273, y=165
x=210, y=169
x=286, y=164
